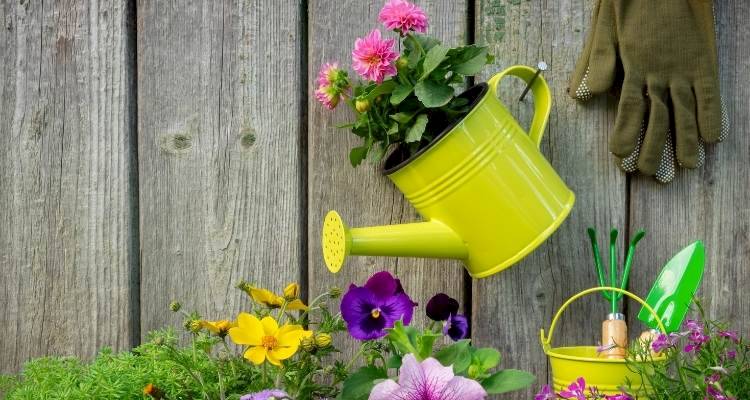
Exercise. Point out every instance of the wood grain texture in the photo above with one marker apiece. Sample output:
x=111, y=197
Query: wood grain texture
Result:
x=362, y=195
x=509, y=308
x=219, y=138
x=711, y=204
x=67, y=201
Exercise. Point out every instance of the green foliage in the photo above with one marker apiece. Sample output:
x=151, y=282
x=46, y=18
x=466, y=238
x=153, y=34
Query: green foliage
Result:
x=719, y=367
x=413, y=107
x=207, y=367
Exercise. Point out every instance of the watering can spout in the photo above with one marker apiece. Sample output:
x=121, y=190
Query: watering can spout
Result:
x=420, y=239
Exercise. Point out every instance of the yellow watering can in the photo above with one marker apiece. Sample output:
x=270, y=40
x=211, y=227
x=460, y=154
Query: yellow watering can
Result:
x=488, y=195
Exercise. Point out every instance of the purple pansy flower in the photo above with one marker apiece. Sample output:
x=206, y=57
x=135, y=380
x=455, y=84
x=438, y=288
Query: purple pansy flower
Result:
x=441, y=307
x=546, y=393
x=457, y=327
x=716, y=393
x=270, y=394
x=575, y=390
x=427, y=380
x=370, y=309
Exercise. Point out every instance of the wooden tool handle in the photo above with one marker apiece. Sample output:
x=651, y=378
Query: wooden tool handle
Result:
x=614, y=338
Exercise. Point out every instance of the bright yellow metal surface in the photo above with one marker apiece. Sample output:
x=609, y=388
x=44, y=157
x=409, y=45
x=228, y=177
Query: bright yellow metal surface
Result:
x=485, y=185
x=569, y=363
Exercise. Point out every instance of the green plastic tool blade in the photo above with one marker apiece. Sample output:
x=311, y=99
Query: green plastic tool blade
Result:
x=673, y=291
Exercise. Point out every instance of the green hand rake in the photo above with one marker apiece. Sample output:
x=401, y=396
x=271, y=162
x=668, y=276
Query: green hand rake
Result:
x=613, y=297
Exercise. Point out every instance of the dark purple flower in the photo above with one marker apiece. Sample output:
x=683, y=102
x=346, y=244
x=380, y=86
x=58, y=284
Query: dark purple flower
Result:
x=662, y=342
x=693, y=325
x=575, y=390
x=457, y=327
x=546, y=393
x=696, y=340
x=713, y=378
x=370, y=309
x=731, y=354
x=621, y=396
x=441, y=307
x=731, y=335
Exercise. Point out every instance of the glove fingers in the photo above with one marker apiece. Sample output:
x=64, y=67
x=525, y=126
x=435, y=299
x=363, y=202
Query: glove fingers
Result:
x=596, y=67
x=666, y=171
x=709, y=112
x=685, y=124
x=656, y=133
x=631, y=113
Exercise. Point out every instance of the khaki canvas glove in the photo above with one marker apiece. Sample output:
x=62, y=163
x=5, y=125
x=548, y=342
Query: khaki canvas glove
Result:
x=666, y=51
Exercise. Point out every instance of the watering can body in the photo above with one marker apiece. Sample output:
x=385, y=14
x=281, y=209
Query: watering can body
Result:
x=487, y=193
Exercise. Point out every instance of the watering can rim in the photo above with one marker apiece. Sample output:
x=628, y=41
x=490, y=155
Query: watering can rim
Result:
x=552, y=353
x=481, y=96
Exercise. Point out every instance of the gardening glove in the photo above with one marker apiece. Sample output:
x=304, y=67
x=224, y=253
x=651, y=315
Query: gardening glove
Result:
x=667, y=52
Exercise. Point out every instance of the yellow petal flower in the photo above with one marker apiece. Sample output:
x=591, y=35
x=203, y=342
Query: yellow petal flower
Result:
x=219, y=328
x=256, y=355
x=270, y=327
x=296, y=305
x=266, y=297
x=282, y=353
x=291, y=291
x=249, y=330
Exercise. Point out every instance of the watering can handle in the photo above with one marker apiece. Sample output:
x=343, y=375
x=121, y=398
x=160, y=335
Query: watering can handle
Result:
x=547, y=340
x=542, y=97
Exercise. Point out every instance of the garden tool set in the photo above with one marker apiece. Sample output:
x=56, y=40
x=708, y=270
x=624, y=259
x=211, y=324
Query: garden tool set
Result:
x=662, y=311
x=662, y=57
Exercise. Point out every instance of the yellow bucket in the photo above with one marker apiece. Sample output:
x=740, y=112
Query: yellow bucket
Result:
x=569, y=363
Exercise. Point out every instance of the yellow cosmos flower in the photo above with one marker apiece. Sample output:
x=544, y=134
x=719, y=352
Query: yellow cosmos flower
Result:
x=272, y=300
x=265, y=339
x=218, y=328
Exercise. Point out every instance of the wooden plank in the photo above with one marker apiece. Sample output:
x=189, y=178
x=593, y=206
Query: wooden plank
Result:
x=711, y=204
x=219, y=147
x=363, y=196
x=67, y=204
x=511, y=307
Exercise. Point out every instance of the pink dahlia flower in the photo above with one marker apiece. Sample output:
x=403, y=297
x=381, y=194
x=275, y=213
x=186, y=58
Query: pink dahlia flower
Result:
x=427, y=380
x=328, y=95
x=373, y=57
x=402, y=16
x=327, y=74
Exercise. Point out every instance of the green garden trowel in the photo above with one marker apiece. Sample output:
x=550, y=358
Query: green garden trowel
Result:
x=673, y=291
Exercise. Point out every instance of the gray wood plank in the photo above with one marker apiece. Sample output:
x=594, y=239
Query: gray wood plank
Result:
x=363, y=196
x=67, y=203
x=511, y=307
x=712, y=203
x=219, y=149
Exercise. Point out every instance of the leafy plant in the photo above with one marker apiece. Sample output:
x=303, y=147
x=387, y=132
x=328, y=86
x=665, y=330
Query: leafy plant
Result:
x=405, y=99
x=705, y=361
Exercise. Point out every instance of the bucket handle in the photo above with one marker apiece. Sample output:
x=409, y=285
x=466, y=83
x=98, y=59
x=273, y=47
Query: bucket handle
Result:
x=542, y=97
x=547, y=340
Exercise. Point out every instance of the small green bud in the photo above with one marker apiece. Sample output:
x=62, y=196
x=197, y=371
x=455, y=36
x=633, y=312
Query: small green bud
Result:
x=334, y=292
x=175, y=306
x=159, y=341
x=244, y=286
x=323, y=340
x=307, y=344
x=402, y=62
x=362, y=105
x=473, y=371
x=194, y=325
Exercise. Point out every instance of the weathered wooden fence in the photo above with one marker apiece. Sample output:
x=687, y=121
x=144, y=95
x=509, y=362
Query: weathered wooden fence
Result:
x=159, y=150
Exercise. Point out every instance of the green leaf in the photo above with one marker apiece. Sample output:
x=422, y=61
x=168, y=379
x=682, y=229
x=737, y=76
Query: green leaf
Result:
x=473, y=65
x=487, y=357
x=384, y=88
x=458, y=354
x=434, y=57
x=394, y=362
x=414, y=134
x=507, y=380
x=402, y=117
x=400, y=93
x=393, y=129
x=360, y=383
x=433, y=94
x=403, y=338
x=426, y=340
x=357, y=154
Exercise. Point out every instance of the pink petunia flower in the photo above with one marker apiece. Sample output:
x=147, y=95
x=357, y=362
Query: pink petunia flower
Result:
x=373, y=57
x=402, y=16
x=427, y=380
x=546, y=393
